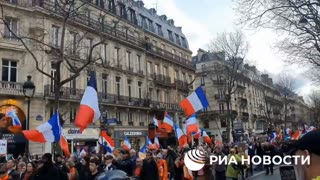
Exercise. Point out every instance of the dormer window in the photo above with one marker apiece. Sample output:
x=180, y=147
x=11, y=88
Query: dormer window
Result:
x=123, y=12
x=178, y=39
x=132, y=16
x=159, y=29
x=150, y=25
x=170, y=35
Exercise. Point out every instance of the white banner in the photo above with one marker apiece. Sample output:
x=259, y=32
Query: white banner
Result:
x=3, y=147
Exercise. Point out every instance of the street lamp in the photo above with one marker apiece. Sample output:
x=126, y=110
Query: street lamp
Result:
x=28, y=91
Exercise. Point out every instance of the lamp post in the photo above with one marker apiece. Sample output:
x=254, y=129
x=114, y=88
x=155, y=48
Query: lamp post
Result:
x=28, y=91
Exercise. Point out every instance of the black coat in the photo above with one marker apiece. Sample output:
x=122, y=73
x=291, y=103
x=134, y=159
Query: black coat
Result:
x=149, y=170
x=124, y=165
x=47, y=172
x=14, y=175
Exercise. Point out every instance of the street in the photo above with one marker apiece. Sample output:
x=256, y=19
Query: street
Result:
x=262, y=176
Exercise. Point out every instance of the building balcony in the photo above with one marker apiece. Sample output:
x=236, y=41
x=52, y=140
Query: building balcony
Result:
x=218, y=82
x=166, y=106
x=182, y=85
x=81, y=19
x=161, y=79
x=273, y=101
x=169, y=56
x=11, y=88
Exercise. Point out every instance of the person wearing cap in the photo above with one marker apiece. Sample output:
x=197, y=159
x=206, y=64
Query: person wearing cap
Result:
x=124, y=164
x=108, y=162
x=308, y=145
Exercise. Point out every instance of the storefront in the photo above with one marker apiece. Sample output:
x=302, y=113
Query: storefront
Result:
x=137, y=137
x=16, y=141
x=87, y=140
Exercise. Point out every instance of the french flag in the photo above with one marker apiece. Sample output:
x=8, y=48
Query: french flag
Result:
x=156, y=142
x=194, y=102
x=289, y=131
x=296, y=135
x=64, y=146
x=182, y=138
x=206, y=138
x=143, y=149
x=15, y=119
x=89, y=108
x=273, y=136
x=155, y=122
x=106, y=141
x=126, y=144
x=48, y=132
x=167, y=123
x=191, y=125
x=196, y=135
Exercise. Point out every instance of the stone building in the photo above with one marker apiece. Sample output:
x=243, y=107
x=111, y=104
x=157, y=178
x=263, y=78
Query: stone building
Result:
x=142, y=61
x=256, y=105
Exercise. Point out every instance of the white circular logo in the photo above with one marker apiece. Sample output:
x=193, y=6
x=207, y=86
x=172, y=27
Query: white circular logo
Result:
x=194, y=159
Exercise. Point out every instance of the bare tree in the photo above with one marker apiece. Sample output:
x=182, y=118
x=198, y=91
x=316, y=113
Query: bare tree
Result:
x=227, y=73
x=286, y=88
x=297, y=20
x=314, y=99
x=71, y=50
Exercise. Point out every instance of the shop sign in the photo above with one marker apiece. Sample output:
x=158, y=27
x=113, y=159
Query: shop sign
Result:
x=3, y=147
x=131, y=133
x=39, y=118
x=110, y=121
x=75, y=133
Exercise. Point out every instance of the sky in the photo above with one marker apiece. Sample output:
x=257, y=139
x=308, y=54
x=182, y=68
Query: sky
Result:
x=202, y=20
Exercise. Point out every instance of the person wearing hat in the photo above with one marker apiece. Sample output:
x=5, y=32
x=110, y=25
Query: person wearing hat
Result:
x=308, y=145
x=108, y=162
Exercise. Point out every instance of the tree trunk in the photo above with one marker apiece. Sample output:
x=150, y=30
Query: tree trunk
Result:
x=230, y=131
x=285, y=116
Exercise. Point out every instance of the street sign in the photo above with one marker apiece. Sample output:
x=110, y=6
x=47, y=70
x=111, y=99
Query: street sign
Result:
x=3, y=147
x=111, y=121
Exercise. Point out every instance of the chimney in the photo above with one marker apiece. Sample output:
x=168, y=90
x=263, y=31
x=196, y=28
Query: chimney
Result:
x=163, y=17
x=180, y=28
x=200, y=53
x=140, y=4
x=153, y=11
x=171, y=22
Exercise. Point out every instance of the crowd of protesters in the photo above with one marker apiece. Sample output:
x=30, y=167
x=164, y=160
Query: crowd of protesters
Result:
x=161, y=164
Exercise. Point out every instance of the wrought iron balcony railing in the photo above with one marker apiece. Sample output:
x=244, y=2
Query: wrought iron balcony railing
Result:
x=181, y=84
x=11, y=88
x=161, y=79
x=169, y=56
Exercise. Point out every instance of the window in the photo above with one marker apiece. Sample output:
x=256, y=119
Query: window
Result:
x=221, y=108
x=139, y=63
x=189, y=79
x=203, y=81
x=173, y=51
x=163, y=47
x=13, y=28
x=170, y=35
x=89, y=45
x=150, y=25
x=223, y=123
x=100, y=3
x=128, y=60
x=13, y=1
x=154, y=43
x=118, y=79
x=149, y=68
x=183, y=42
x=118, y=116
x=130, y=120
x=156, y=69
x=150, y=93
x=104, y=85
x=159, y=29
x=73, y=85
x=55, y=36
x=176, y=74
x=165, y=70
x=72, y=114
x=183, y=76
x=104, y=54
x=180, y=55
x=116, y=56
x=132, y=16
x=88, y=76
x=53, y=74
x=143, y=22
x=158, y=95
x=123, y=12
x=178, y=39
x=112, y=6
x=129, y=89
x=140, y=89
x=259, y=125
x=166, y=97
x=9, y=70
x=73, y=45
